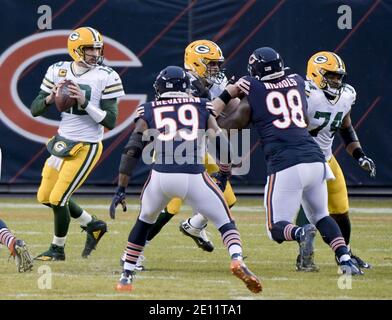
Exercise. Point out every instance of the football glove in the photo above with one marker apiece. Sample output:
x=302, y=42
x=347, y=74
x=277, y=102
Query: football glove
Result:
x=119, y=197
x=221, y=179
x=368, y=164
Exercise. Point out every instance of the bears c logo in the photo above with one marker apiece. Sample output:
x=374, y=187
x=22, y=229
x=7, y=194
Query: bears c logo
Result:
x=16, y=115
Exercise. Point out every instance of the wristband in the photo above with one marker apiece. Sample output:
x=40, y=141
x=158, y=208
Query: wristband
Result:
x=225, y=96
x=358, y=153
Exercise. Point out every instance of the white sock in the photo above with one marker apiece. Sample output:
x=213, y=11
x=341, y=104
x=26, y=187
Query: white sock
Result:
x=344, y=257
x=129, y=266
x=198, y=221
x=85, y=218
x=59, y=241
x=235, y=248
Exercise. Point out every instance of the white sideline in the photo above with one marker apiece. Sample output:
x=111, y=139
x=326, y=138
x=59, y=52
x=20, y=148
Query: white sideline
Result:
x=12, y=205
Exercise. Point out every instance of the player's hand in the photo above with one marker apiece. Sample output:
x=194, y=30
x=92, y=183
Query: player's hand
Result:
x=243, y=85
x=368, y=164
x=119, y=197
x=50, y=98
x=221, y=179
x=77, y=93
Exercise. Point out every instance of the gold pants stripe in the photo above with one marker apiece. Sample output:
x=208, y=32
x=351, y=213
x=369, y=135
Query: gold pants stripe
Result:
x=84, y=169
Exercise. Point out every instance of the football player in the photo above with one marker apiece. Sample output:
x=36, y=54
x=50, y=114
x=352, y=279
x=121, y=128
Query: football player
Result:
x=178, y=118
x=202, y=61
x=77, y=146
x=330, y=101
x=275, y=104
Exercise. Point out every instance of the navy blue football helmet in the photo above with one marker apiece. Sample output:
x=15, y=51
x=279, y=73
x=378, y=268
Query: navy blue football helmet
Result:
x=172, y=82
x=265, y=64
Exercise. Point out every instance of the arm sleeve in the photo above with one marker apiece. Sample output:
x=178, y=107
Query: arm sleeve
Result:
x=38, y=106
x=111, y=108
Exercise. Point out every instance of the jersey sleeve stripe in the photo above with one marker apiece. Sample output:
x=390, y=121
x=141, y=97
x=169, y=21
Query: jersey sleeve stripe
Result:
x=113, y=85
x=49, y=80
x=112, y=89
x=48, y=83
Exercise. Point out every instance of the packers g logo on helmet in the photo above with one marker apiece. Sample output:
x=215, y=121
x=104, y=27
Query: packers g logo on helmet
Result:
x=74, y=36
x=320, y=59
x=82, y=38
x=198, y=54
x=202, y=49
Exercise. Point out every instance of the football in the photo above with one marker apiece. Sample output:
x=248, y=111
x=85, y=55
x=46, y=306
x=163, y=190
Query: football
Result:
x=63, y=100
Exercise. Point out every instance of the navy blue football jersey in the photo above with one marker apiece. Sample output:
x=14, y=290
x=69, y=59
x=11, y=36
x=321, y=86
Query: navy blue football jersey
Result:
x=278, y=110
x=178, y=143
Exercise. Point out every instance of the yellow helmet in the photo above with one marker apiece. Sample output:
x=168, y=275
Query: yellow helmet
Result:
x=322, y=66
x=81, y=38
x=198, y=54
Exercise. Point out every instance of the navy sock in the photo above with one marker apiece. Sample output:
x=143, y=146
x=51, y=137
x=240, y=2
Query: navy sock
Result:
x=284, y=231
x=332, y=235
x=139, y=232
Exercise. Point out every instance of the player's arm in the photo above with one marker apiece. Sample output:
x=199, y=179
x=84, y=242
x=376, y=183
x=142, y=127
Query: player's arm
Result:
x=44, y=100
x=353, y=146
x=110, y=106
x=129, y=159
x=226, y=98
x=239, y=118
x=105, y=114
x=40, y=104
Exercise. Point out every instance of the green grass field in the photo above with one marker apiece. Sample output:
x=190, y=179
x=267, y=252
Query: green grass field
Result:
x=177, y=269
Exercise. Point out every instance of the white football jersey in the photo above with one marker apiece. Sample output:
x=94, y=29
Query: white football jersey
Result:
x=324, y=117
x=98, y=83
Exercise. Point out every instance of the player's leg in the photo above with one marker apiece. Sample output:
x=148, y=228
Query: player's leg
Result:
x=338, y=206
x=282, y=198
x=17, y=248
x=72, y=172
x=195, y=226
x=50, y=174
x=315, y=205
x=153, y=200
x=172, y=208
x=205, y=197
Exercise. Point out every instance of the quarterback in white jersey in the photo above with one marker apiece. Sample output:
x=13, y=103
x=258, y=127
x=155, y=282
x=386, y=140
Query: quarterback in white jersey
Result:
x=98, y=83
x=329, y=105
x=77, y=146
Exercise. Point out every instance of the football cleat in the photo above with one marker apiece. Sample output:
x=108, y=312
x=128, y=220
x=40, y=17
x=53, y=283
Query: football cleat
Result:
x=125, y=282
x=95, y=231
x=198, y=235
x=241, y=271
x=306, y=264
x=348, y=267
x=55, y=253
x=305, y=260
x=22, y=257
x=359, y=262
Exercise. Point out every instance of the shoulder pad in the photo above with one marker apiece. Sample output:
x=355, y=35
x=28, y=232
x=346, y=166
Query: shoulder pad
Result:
x=350, y=91
x=309, y=87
